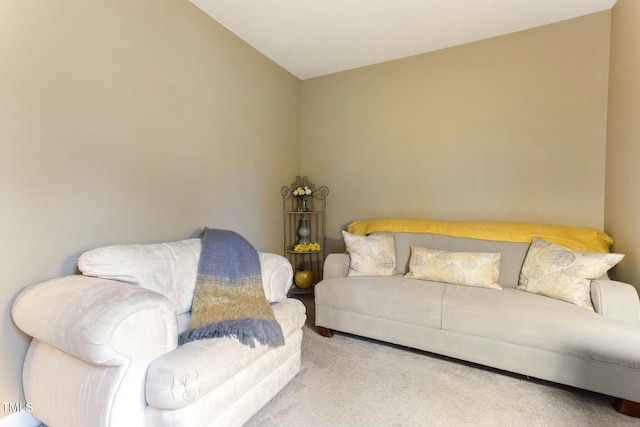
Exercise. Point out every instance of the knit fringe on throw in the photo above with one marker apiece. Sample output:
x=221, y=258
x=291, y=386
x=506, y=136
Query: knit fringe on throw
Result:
x=247, y=331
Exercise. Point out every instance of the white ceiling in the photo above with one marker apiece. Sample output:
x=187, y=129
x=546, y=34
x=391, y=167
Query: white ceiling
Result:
x=311, y=38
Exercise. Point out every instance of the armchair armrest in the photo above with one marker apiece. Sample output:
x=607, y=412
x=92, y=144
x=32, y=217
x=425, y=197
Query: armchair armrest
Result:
x=616, y=300
x=100, y=321
x=336, y=265
x=277, y=276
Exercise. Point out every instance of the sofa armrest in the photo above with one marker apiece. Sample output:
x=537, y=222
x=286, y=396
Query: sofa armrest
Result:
x=616, y=300
x=336, y=265
x=277, y=276
x=100, y=321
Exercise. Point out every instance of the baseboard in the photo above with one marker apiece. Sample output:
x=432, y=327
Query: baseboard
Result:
x=19, y=419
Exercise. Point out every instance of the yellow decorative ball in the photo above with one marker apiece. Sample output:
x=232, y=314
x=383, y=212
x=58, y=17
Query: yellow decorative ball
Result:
x=303, y=278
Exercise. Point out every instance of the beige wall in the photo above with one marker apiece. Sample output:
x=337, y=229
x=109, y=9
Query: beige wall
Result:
x=130, y=121
x=512, y=128
x=622, y=214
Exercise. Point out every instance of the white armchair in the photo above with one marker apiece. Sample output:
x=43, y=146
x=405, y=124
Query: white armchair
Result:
x=104, y=352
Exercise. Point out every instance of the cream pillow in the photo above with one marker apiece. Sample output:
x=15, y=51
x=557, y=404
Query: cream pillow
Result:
x=461, y=268
x=373, y=255
x=562, y=273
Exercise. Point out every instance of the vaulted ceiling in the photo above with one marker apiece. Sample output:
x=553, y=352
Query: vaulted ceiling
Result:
x=311, y=38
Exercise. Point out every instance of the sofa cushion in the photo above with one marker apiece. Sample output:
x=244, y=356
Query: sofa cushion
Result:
x=171, y=268
x=461, y=268
x=371, y=255
x=512, y=253
x=532, y=320
x=561, y=273
x=180, y=377
x=395, y=298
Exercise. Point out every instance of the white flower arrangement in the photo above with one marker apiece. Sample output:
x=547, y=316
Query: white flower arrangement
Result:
x=304, y=192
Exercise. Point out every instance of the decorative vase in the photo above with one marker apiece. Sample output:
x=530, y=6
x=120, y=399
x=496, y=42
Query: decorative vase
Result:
x=302, y=205
x=304, y=232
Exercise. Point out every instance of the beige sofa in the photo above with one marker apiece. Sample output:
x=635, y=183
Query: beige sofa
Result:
x=508, y=329
x=104, y=350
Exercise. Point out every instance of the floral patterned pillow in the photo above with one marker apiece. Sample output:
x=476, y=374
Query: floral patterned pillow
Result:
x=561, y=273
x=479, y=269
x=373, y=255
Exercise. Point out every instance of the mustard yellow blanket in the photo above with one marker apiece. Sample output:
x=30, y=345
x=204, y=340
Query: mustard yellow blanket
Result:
x=576, y=238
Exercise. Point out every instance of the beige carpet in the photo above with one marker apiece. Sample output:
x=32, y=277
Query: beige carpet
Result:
x=350, y=381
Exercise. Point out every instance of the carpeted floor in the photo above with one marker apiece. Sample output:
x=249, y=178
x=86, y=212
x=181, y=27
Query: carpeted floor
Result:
x=351, y=381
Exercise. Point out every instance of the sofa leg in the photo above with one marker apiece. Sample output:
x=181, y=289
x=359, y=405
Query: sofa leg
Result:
x=627, y=407
x=325, y=332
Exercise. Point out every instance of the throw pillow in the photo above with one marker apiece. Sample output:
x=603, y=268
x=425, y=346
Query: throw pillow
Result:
x=373, y=255
x=479, y=269
x=561, y=273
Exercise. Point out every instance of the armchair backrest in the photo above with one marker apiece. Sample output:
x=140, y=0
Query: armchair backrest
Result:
x=171, y=269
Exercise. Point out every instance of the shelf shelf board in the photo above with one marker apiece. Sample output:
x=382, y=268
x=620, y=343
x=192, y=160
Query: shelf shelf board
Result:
x=294, y=290
x=291, y=251
x=302, y=213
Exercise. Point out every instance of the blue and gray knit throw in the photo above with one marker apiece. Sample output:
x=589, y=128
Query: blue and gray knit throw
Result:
x=228, y=300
